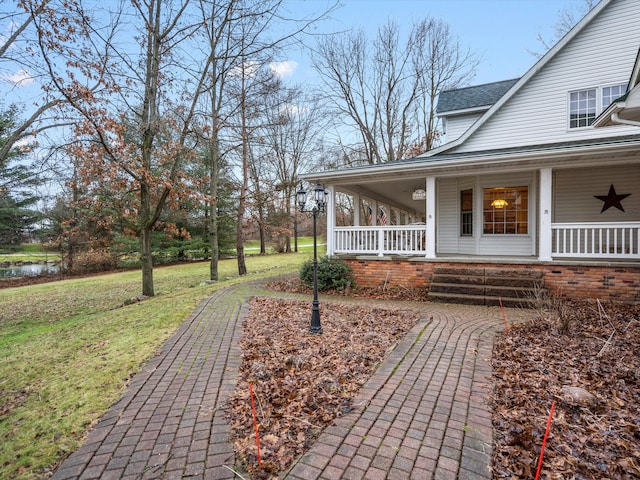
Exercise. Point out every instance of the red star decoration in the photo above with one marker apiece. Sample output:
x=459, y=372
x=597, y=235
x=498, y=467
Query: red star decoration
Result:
x=612, y=199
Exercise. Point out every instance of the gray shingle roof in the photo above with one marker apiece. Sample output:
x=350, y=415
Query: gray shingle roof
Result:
x=473, y=97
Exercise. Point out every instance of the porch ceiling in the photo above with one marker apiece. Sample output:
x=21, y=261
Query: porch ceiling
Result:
x=394, y=192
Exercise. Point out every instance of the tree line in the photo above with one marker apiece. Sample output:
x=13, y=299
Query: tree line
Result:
x=160, y=119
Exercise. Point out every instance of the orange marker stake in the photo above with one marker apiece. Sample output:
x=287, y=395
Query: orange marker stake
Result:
x=255, y=423
x=544, y=441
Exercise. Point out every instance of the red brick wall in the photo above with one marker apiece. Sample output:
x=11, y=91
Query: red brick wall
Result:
x=571, y=281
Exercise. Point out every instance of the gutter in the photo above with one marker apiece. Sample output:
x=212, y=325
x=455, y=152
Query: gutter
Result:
x=621, y=121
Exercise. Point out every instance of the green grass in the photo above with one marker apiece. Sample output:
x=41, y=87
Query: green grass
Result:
x=68, y=348
x=34, y=252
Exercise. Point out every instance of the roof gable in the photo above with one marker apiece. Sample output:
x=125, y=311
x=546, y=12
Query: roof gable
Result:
x=520, y=83
x=474, y=97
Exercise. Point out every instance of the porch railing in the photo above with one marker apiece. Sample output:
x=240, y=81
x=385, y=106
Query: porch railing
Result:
x=381, y=240
x=596, y=240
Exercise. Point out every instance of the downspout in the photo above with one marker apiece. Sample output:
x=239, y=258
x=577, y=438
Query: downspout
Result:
x=616, y=119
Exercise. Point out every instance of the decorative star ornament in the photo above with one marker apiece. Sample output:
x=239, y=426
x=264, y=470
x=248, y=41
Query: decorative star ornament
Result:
x=612, y=199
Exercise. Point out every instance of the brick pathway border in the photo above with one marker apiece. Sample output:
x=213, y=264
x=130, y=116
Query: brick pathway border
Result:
x=423, y=414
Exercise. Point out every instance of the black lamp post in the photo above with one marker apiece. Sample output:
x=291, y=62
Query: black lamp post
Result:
x=318, y=206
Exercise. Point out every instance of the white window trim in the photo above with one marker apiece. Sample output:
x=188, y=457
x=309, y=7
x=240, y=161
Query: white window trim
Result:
x=530, y=217
x=599, y=107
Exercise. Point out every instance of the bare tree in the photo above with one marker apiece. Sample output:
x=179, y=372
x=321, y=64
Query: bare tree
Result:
x=386, y=89
x=294, y=125
x=61, y=26
x=567, y=18
x=135, y=130
x=239, y=44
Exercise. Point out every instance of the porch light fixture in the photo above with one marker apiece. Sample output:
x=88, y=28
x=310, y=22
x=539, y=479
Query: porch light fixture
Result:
x=499, y=203
x=318, y=206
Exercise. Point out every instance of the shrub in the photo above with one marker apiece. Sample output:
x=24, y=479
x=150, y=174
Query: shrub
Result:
x=333, y=274
x=94, y=261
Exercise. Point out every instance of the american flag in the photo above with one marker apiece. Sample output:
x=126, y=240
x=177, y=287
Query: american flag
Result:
x=382, y=217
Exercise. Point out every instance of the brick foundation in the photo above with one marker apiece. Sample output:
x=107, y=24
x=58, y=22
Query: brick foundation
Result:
x=605, y=282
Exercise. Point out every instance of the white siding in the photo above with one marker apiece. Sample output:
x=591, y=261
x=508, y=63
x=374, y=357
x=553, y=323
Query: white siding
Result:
x=447, y=231
x=449, y=240
x=459, y=124
x=602, y=54
x=574, y=194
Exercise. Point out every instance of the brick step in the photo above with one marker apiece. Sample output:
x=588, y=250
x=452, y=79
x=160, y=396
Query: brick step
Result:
x=486, y=286
x=488, y=271
x=512, y=281
x=464, y=299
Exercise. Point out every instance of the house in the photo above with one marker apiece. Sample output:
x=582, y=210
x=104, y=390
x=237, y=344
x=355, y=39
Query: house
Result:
x=539, y=174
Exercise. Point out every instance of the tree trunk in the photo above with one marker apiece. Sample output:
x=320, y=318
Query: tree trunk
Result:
x=242, y=267
x=263, y=238
x=214, y=173
x=146, y=259
x=295, y=232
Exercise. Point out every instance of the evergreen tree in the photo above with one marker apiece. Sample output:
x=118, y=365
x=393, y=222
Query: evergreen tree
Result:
x=15, y=215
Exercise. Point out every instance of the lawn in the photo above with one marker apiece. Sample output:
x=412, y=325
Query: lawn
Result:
x=68, y=349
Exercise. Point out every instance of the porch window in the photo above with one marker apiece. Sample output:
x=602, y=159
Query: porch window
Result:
x=466, y=212
x=506, y=210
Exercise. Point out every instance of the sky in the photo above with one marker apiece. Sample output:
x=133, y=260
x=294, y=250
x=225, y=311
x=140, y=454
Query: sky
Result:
x=501, y=32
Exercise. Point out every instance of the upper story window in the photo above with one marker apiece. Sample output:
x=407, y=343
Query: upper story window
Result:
x=586, y=105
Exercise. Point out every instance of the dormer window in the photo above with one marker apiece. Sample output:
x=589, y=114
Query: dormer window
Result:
x=586, y=105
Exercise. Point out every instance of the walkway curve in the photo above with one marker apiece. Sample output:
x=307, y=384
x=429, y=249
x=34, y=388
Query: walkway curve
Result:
x=423, y=414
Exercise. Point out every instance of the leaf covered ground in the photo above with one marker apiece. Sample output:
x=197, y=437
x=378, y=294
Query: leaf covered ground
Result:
x=588, y=345
x=302, y=381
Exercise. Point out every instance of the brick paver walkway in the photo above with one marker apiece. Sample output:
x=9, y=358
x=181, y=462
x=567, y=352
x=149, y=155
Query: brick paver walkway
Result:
x=422, y=415
x=169, y=424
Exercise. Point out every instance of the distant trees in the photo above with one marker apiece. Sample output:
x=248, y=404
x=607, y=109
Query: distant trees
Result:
x=166, y=117
x=385, y=89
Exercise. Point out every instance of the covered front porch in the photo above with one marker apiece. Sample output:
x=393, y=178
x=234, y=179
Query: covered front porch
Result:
x=543, y=213
x=594, y=240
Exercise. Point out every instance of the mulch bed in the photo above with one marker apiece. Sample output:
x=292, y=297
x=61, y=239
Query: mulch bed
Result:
x=592, y=346
x=302, y=381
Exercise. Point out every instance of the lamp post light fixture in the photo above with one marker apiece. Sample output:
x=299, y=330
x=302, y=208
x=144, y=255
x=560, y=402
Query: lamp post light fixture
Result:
x=317, y=206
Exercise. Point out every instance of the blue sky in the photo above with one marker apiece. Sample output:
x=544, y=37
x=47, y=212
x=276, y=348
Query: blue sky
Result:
x=502, y=32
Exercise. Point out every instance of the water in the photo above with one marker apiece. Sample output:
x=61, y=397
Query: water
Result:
x=32, y=270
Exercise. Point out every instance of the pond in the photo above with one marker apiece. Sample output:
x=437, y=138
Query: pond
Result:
x=31, y=270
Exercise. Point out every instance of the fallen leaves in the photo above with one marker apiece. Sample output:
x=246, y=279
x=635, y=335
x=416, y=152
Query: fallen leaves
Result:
x=597, y=351
x=303, y=381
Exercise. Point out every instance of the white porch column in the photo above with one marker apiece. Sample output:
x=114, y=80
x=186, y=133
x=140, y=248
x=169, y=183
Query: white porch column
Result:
x=431, y=217
x=544, y=205
x=331, y=219
x=356, y=210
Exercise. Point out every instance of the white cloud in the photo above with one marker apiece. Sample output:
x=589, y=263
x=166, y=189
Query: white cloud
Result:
x=21, y=78
x=284, y=69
